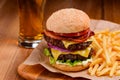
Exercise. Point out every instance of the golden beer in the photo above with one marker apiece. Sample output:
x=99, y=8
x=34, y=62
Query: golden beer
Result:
x=31, y=22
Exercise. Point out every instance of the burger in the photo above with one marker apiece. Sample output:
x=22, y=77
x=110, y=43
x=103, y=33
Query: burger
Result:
x=68, y=37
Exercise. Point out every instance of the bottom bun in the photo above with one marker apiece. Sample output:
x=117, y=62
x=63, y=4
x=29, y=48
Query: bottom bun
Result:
x=70, y=68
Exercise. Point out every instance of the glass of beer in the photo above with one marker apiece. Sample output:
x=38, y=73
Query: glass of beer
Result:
x=31, y=22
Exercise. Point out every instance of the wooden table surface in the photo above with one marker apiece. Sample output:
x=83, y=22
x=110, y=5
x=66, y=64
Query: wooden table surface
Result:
x=11, y=55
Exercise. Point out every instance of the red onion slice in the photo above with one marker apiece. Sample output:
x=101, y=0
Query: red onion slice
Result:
x=57, y=48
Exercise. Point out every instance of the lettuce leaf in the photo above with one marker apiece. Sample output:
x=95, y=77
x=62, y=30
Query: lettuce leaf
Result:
x=46, y=52
x=69, y=62
x=52, y=60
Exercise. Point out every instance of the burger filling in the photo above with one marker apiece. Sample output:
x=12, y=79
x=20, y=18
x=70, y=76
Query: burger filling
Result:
x=68, y=45
x=69, y=50
x=80, y=57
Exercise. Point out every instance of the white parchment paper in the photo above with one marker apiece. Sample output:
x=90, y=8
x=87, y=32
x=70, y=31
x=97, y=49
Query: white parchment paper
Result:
x=37, y=56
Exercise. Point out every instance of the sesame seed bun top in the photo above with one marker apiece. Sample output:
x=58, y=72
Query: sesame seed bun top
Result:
x=68, y=20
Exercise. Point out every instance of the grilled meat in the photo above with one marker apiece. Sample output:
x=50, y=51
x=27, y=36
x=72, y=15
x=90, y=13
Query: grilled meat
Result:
x=72, y=47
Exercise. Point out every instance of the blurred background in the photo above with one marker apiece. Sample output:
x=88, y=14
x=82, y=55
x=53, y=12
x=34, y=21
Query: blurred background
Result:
x=96, y=9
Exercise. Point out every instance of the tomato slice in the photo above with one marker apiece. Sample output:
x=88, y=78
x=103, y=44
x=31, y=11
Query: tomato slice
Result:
x=72, y=34
x=52, y=35
x=81, y=38
x=84, y=37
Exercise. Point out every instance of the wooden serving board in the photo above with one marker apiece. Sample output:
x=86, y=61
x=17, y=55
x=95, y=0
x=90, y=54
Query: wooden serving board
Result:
x=37, y=72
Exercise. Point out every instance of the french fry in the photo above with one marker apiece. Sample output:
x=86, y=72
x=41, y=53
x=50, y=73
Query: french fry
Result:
x=103, y=56
x=100, y=37
x=113, y=54
x=110, y=50
x=117, y=32
x=94, y=69
x=107, y=58
x=116, y=48
x=118, y=67
x=112, y=71
x=115, y=43
x=90, y=70
x=118, y=56
x=106, y=51
x=103, y=72
x=97, y=61
x=109, y=42
x=119, y=63
x=113, y=57
x=98, y=53
x=96, y=44
x=101, y=67
x=117, y=73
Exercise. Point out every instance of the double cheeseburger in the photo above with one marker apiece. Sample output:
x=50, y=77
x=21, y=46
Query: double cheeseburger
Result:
x=68, y=35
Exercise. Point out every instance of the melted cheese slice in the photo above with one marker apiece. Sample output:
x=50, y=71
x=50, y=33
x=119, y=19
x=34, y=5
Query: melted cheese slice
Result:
x=57, y=53
x=67, y=43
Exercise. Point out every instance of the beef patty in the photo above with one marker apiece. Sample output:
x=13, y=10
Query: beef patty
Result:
x=73, y=57
x=72, y=47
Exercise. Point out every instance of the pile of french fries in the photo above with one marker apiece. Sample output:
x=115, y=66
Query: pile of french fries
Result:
x=106, y=61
